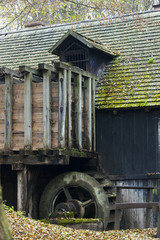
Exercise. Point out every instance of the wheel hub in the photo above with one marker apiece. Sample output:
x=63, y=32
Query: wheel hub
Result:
x=73, y=205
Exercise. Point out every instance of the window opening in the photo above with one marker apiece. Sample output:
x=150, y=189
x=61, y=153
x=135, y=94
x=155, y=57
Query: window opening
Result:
x=76, y=55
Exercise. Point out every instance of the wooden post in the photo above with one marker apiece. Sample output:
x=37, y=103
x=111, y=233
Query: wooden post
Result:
x=148, y=210
x=46, y=110
x=28, y=110
x=88, y=113
x=69, y=115
x=62, y=106
x=117, y=211
x=78, y=124
x=94, y=121
x=21, y=189
x=8, y=111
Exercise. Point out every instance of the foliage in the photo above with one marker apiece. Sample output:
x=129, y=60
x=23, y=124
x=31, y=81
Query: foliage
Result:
x=15, y=13
x=26, y=228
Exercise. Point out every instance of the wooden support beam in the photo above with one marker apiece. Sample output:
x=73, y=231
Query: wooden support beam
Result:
x=45, y=66
x=8, y=111
x=136, y=205
x=74, y=69
x=148, y=210
x=62, y=106
x=46, y=109
x=117, y=211
x=78, y=122
x=27, y=110
x=93, y=112
x=22, y=189
x=4, y=70
x=27, y=69
x=69, y=115
x=88, y=113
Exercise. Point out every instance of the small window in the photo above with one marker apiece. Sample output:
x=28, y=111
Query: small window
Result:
x=76, y=54
x=82, y=52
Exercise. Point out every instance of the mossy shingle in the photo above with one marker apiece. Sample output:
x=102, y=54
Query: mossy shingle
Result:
x=130, y=80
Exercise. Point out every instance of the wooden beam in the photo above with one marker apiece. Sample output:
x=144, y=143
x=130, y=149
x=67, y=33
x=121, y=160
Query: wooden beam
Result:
x=137, y=187
x=117, y=211
x=136, y=205
x=78, y=123
x=69, y=115
x=62, y=106
x=46, y=109
x=21, y=189
x=45, y=66
x=88, y=113
x=8, y=111
x=93, y=112
x=15, y=73
x=74, y=69
x=27, y=110
x=148, y=210
x=27, y=69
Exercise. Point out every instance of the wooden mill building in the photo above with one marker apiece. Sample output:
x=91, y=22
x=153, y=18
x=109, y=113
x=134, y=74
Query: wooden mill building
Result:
x=123, y=56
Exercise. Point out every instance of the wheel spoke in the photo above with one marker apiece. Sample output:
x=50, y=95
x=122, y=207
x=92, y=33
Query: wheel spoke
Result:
x=80, y=195
x=67, y=194
x=87, y=203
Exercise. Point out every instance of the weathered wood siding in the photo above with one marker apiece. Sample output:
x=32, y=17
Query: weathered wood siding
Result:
x=129, y=141
x=37, y=116
x=54, y=114
x=18, y=117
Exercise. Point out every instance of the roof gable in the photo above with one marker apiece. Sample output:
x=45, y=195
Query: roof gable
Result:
x=84, y=40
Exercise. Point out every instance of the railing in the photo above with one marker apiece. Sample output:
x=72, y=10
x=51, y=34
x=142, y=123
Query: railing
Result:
x=149, y=205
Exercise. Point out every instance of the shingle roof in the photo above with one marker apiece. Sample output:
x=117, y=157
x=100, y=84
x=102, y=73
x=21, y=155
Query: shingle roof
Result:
x=130, y=80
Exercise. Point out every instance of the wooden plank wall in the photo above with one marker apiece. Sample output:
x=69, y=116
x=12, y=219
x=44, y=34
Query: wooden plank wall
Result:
x=48, y=114
x=37, y=115
x=18, y=117
x=17, y=141
x=54, y=114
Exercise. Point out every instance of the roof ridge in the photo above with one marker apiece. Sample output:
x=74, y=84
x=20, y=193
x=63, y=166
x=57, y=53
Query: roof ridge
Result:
x=152, y=12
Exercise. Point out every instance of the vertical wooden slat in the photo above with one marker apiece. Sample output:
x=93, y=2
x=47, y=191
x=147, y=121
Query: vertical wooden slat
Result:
x=46, y=110
x=88, y=113
x=93, y=122
x=62, y=106
x=78, y=124
x=28, y=110
x=69, y=108
x=148, y=210
x=117, y=211
x=21, y=189
x=8, y=111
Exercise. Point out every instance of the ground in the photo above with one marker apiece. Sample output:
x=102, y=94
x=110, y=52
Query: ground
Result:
x=29, y=229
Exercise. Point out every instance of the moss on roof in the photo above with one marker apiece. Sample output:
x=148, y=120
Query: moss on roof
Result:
x=130, y=80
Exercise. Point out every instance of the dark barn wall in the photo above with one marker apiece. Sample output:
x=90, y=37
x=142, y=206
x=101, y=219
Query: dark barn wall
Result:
x=128, y=141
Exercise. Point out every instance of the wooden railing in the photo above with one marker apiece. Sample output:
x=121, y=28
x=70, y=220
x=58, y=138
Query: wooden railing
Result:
x=149, y=205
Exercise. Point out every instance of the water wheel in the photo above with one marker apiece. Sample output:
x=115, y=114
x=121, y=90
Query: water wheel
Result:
x=76, y=192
